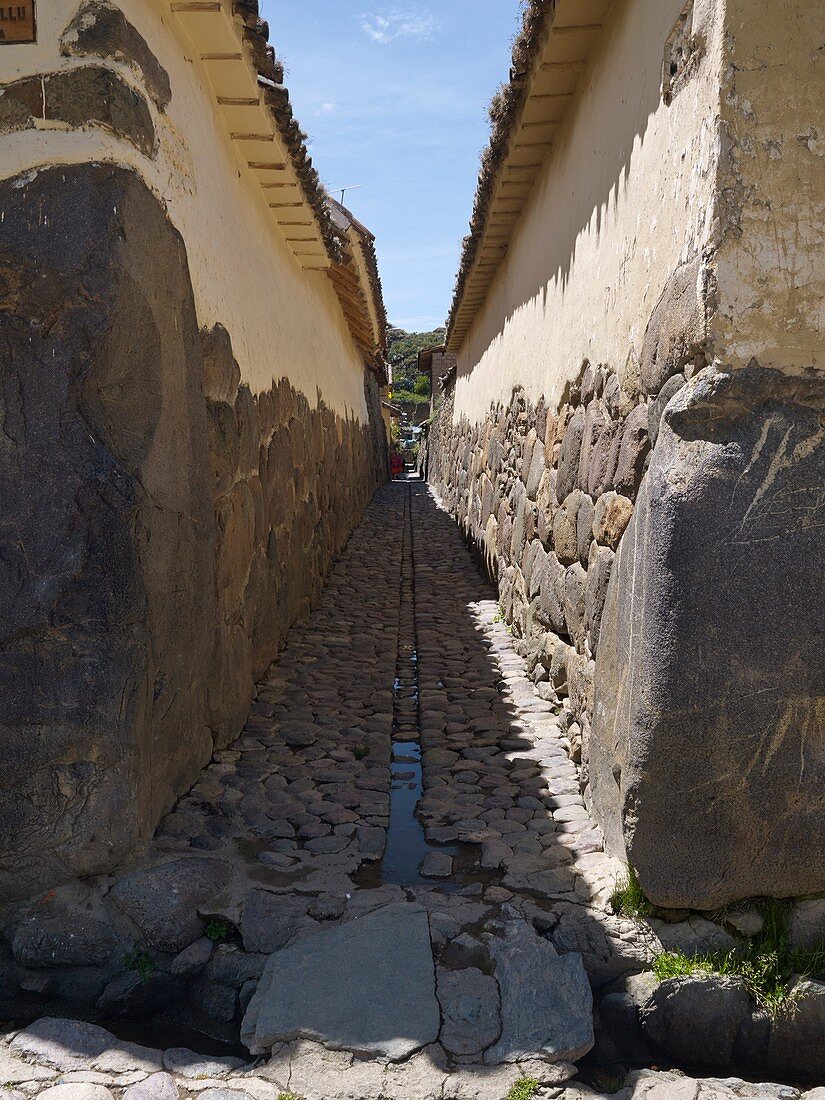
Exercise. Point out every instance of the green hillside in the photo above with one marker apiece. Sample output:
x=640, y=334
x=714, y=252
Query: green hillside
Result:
x=408, y=385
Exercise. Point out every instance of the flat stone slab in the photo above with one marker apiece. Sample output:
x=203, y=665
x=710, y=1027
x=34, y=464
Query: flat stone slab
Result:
x=367, y=986
x=546, y=1003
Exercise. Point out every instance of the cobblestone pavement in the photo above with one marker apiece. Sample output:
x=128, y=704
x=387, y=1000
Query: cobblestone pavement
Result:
x=397, y=769
x=406, y=647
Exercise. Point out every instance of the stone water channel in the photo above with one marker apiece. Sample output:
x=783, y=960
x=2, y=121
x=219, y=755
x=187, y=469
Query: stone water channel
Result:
x=389, y=886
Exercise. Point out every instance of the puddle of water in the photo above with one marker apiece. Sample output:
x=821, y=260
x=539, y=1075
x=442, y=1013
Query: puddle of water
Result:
x=406, y=843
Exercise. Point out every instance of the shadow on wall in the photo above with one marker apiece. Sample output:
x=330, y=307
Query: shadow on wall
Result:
x=161, y=527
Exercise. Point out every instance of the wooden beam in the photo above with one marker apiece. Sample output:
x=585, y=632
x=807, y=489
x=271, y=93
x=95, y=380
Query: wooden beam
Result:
x=221, y=57
x=266, y=166
x=582, y=28
x=228, y=101
x=564, y=66
x=550, y=95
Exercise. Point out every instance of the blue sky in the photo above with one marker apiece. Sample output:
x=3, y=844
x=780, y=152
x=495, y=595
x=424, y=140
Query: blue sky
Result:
x=394, y=97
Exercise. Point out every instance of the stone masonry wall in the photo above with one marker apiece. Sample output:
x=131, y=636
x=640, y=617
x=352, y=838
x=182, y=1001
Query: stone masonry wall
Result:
x=160, y=525
x=545, y=498
x=657, y=555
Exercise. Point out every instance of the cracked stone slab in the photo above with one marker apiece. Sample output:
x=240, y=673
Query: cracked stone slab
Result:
x=469, y=1004
x=344, y=987
x=546, y=1003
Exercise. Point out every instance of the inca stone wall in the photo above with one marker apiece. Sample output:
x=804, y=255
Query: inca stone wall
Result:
x=165, y=515
x=636, y=449
x=545, y=498
x=162, y=527
x=658, y=562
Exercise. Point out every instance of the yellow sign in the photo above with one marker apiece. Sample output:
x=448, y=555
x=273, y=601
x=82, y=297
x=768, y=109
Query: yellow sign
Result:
x=17, y=22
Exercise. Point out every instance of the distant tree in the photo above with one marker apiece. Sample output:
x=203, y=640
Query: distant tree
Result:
x=403, y=349
x=422, y=385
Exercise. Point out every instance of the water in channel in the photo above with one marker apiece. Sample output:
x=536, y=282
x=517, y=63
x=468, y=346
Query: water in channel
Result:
x=407, y=845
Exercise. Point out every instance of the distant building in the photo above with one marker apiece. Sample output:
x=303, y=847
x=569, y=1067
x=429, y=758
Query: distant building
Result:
x=440, y=365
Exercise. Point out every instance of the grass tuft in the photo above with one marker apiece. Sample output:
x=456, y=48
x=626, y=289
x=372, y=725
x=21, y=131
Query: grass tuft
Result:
x=138, y=962
x=289, y=1096
x=628, y=898
x=524, y=1089
x=766, y=963
x=360, y=751
x=217, y=930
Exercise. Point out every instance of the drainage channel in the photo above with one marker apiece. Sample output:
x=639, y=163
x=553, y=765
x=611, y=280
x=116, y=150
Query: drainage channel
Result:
x=407, y=846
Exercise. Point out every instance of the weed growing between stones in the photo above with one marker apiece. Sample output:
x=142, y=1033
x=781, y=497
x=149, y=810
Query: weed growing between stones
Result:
x=289, y=1096
x=139, y=963
x=360, y=751
x=628, y=899
x=524, y=1089
x=766, y=963
x=607, y=1083
x=217, y=930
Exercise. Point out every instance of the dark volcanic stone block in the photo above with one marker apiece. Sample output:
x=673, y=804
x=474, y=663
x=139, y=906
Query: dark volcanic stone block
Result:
x=104, y=506
x=102, y=30
x=79, y=97
x=708, y=746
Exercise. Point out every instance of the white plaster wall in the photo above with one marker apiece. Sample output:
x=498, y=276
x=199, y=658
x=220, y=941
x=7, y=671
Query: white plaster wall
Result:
x=283, y=321
x=771, y=264
x=625, y=197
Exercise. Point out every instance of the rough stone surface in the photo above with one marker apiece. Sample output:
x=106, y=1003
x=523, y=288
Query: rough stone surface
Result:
x=271, y=921
x=611, y=517
x=102, y=30
x=163, y=901
x=795, y=1046
x=633, y=451
x=709, y=703
x=159, y=1086
x=340, y=988
x=546, y=1004
x=77, y=1090
x=63, y=1044
x=677, y=330
x=470, y=1010
x=63, y=941
x=116, y=266
x=187, y=1063
x=78, y=97
x=696, y=1021
x=119, y=441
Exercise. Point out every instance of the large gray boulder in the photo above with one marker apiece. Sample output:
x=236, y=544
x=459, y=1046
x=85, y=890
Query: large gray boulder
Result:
x=707, y=759
x=367, y=986
x=697, y=1021
x=162, y=902
x=796, y=1044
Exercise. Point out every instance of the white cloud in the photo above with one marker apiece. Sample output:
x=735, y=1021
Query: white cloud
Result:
x=325, y=109
x=388, y=24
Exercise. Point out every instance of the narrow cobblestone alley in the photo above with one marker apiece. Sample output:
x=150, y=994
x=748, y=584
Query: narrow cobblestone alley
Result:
x=389, y=886
x=396, y=768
